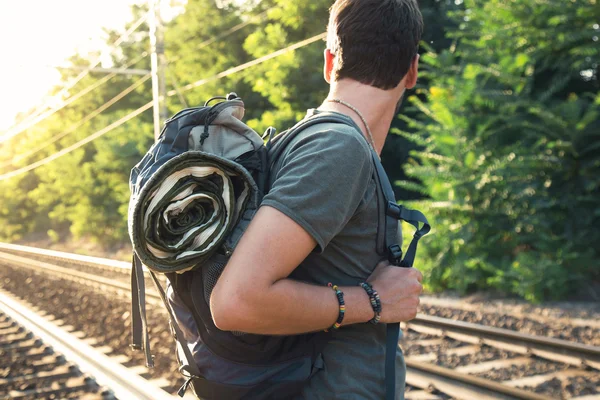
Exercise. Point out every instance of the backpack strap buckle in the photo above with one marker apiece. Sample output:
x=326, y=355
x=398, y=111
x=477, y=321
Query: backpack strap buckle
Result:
x=394, y=254
x=184, y=387
x=394, y=210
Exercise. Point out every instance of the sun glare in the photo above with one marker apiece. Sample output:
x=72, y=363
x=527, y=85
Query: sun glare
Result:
x=39, y=34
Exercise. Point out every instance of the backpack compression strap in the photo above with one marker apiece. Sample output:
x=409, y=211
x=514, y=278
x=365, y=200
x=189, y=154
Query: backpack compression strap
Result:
x=139, y=325
x=387, y=236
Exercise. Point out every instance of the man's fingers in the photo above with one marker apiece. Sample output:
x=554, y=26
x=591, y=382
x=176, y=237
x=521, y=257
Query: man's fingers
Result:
x=418, y=275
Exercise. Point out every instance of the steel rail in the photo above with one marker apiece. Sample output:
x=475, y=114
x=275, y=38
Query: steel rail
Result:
x=59, y=255
x=564, y=351
x=419, y=374
x=547, y=348
x=121, y=381
x=577, y=354
x=448, y=326
x=76, y=276
x=462, y=386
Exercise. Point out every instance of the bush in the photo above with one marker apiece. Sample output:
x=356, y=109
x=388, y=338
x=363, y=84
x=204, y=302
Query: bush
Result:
x=511, y=132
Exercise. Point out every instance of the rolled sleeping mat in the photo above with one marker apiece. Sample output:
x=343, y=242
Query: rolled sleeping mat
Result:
x=187, y=209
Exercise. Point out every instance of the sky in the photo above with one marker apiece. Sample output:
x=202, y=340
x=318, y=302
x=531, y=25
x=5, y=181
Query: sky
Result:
x=35, y=34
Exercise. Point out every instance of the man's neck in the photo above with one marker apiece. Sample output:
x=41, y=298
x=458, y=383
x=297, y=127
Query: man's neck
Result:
x=377, y=106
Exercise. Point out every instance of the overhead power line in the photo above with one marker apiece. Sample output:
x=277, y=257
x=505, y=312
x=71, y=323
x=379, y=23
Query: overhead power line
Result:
x=79, y=144
x=68, y=101
x=72, y=129
x=117, y=43
x=122, y=71
x=228, y=32
x=249, y=64
x=233, y=29
x=37, y=116
x=149, y=105
x=176, y=86
x=48, y=113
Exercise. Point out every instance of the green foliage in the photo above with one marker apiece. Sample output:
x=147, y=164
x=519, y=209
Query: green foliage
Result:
x=191, y=59
x=511, y=126
x=53, y=235
x=294, y=81
x=84, y=191
x=503, y=128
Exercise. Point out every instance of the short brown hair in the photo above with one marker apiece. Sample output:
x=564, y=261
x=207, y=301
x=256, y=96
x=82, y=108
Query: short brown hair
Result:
x=374, y=41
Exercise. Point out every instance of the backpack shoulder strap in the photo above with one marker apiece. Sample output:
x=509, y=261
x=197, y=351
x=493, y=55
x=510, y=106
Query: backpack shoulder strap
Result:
x=389, y=212
x=392, y=212
x=387, y=238
x=276, y=145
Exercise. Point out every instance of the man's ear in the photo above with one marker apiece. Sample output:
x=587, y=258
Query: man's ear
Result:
x=328, y=65
x=411, y=76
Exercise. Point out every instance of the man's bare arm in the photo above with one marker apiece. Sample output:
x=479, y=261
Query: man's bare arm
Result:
x=253, y=294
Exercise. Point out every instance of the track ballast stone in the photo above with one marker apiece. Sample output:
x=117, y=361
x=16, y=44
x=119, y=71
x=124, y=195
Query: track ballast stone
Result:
x=580, y=334
x=101, y=315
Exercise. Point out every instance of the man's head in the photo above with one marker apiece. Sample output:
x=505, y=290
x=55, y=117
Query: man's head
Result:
x=374, y=42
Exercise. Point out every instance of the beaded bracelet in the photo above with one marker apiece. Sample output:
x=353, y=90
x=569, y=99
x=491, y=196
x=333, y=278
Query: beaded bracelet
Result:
x=340, y=297
x=375, y=301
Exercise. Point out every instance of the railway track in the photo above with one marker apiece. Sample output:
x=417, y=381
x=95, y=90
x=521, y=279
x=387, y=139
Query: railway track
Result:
x=445, y=358
x=41, y=360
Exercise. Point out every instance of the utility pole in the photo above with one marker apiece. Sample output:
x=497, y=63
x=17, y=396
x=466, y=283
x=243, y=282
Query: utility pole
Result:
x=157, y=61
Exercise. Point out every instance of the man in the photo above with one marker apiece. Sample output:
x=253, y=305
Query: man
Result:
x=319, y=221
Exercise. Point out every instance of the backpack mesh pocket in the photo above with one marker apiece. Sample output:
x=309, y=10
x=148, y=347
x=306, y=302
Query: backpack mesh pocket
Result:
x=211, y=271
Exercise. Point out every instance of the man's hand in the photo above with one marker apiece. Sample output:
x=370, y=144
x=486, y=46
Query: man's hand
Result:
x=399, y=290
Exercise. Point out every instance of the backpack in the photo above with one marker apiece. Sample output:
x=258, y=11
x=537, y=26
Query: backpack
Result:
x=192, y=196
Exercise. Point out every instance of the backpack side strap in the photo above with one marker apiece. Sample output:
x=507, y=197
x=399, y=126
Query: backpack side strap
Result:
x=413, y=217
x=387, y=235
x=139, y=324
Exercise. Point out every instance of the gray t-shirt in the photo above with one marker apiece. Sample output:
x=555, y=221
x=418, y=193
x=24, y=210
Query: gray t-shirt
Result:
x=324, y=180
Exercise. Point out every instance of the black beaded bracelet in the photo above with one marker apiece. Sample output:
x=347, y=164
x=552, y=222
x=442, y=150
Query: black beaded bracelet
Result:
x=340, y=297
x=375, y=301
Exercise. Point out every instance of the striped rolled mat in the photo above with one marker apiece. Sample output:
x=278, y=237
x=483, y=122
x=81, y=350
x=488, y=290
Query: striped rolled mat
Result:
x=187, y=209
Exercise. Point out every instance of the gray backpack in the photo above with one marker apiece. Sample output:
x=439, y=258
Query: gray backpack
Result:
x=192, y=197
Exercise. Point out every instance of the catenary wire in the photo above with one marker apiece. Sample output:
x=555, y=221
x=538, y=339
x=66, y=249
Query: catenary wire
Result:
x=42, y=114
x=85, y=119
x=172, y=77
x=120, y=40
x=233, y=29
x=72, y=129
x=147, y=106
x=229, y=31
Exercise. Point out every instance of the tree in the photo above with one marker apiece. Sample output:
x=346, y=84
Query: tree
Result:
x=510, y=131
x=197, y=48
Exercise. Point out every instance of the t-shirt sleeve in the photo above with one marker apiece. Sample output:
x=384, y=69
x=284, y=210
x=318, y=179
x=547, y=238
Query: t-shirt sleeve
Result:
x=321, y=182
